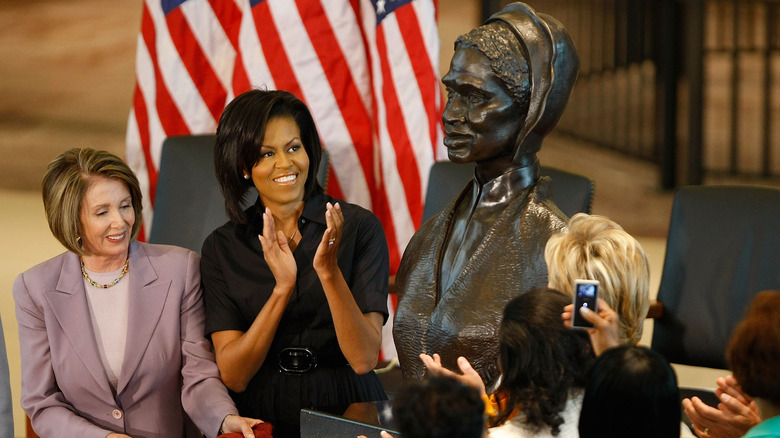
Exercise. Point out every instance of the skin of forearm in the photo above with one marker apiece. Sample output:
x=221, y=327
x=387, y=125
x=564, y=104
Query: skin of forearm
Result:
x=241, y=357
x=359, y=335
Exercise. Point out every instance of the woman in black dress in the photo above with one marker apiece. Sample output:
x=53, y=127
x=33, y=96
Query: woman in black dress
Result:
x=296, y=285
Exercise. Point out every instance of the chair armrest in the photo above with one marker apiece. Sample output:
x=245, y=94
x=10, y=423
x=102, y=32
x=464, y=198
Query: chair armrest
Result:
x=656, y=309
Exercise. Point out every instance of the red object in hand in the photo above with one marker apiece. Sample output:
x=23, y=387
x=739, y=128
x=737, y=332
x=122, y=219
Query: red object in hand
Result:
x=262, y=430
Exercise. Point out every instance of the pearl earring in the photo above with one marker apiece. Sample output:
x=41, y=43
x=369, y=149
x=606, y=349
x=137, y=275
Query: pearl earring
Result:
x=246, y=176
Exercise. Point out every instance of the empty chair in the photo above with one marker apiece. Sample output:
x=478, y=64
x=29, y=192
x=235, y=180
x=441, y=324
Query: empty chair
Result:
x=188, y=204
x=722, y=249
x=573, y=193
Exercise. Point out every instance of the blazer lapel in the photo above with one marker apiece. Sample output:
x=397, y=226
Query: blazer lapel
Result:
x=147, y=299
x=69, y=305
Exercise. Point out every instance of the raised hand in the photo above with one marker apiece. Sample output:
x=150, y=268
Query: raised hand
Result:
x=735, y=415
x=605, y=333
x=325, y=258
x=277, y=252
x=468, y=375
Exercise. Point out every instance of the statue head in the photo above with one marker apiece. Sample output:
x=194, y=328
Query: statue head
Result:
x=507, y=86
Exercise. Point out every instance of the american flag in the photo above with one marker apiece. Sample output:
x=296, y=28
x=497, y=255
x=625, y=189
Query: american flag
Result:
x=367, y=69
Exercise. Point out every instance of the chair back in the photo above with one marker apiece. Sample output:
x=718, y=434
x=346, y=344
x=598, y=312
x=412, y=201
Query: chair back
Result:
x=572, y=193
x=445, y=181
x=188, y=203
x=723, y=247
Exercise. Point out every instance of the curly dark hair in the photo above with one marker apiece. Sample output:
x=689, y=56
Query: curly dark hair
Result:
x=540, y=358
x=494, y=40
x=439, y=407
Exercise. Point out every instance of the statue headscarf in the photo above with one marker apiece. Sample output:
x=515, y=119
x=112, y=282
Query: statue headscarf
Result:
x=541, y=73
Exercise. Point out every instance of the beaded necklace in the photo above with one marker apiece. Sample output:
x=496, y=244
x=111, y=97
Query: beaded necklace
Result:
x=103, y=286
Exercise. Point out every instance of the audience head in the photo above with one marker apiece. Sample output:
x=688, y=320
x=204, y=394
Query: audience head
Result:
x=753, y=353
x=240, y=135
x=65, y=184
x=439, y=407
x=632, y=391
x=541, y=360
x=597, y=248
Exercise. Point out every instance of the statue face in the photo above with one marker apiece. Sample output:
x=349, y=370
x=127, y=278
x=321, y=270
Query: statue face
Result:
x=481, y=121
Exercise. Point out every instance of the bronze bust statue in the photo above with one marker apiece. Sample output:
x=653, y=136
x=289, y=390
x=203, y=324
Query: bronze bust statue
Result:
x=507, y=86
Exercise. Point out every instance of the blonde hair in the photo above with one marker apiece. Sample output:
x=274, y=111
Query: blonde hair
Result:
x=66, y=182
x=597, y=248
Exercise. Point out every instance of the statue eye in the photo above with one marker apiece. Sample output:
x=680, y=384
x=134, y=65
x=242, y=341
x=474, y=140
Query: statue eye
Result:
x=476, y=98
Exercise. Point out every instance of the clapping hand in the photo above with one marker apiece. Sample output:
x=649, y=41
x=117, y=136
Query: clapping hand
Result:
x=277, y=252
x=325, y=259
x=735, y=415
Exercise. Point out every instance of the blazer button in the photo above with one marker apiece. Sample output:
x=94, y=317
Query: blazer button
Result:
x=117, y=413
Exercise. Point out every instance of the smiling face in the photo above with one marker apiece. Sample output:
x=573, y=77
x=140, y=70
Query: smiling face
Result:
x=106, y=217
x=481, y=120
x=280, y=174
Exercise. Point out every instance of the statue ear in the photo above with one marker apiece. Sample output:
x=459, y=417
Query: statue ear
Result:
x=537, y=40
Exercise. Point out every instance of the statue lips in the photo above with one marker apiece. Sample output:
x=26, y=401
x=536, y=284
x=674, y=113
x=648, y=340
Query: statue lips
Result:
x=456, y=140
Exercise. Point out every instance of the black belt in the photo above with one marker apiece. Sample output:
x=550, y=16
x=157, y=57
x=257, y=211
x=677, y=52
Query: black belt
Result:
x=299, y=360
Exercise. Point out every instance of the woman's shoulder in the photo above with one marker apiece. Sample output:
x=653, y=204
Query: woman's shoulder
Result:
x=46, y=275
x=158, y=254
x=513, y=428
x=46, y=268
x=351, y=211
x=227, y=236
x=161, y=250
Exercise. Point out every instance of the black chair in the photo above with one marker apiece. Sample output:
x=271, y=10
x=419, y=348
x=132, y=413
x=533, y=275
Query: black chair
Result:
x=188, y=203
x=722, y=249
x=572, y=193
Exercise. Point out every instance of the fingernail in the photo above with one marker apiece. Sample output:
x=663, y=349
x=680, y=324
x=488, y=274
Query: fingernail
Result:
x=725, y=397
x=584, y=310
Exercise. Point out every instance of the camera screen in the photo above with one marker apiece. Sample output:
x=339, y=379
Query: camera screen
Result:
x=585, y=297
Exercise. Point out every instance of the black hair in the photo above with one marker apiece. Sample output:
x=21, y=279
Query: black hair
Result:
x=240, y=134
x=632, y=391
x=439, y=407
x=541, y=360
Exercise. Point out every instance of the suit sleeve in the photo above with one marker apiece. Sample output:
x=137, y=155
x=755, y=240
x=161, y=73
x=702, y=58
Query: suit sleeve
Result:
x=6, y=411
x=50, y=412
x=204, y=396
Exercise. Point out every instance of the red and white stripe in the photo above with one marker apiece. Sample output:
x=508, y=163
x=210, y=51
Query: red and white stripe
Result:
x=373, y=90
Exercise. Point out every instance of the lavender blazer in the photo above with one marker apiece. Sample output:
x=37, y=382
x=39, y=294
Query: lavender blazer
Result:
x=168, y=369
